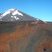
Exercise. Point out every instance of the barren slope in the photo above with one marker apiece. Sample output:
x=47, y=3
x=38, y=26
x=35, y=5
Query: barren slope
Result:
x=25, y=36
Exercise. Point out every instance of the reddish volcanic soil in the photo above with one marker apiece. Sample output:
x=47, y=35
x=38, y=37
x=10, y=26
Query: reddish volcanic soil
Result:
x=26, y=37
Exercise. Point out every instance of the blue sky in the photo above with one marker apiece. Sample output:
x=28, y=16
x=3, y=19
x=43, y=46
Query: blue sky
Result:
x=41, y=9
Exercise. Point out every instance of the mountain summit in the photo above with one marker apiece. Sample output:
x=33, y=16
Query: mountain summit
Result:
x=14, y=14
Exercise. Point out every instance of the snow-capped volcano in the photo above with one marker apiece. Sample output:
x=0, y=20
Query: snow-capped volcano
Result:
x=10, y=15
x=13, y=11
x=14, y=14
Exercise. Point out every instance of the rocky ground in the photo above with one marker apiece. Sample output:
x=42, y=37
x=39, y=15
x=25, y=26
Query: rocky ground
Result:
x=25, y=36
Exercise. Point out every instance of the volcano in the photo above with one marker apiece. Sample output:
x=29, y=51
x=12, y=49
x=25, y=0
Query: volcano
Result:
x=15, y=15
x=20, y=32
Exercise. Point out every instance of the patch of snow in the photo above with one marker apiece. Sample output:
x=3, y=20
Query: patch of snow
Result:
x=13, y=11
x=7, y=12
x=15, y=17
x=12, y=16
x=17, y=12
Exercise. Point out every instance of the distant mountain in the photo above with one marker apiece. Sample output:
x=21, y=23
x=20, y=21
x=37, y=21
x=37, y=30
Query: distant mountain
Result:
x=14, y=14
x=17, y=15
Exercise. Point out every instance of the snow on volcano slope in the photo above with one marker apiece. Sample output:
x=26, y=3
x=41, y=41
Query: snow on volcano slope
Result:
x=11, y=13
x=14, y=14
